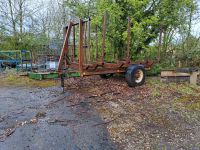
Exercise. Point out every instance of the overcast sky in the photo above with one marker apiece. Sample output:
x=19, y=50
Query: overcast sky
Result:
x=195, y=27
x=196, y=24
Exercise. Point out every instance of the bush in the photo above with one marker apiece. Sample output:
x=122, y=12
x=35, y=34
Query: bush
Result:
x=155, y=70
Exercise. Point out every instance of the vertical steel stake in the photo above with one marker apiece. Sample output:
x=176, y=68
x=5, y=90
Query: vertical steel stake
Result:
x=62, y=79
x=81, y=47
x=104, y=39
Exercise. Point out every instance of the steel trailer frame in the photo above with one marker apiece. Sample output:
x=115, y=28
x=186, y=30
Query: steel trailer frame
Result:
x=86, y=68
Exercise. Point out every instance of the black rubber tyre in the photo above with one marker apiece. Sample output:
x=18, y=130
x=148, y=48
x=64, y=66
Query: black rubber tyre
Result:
x=106, y=76
x=135, y=75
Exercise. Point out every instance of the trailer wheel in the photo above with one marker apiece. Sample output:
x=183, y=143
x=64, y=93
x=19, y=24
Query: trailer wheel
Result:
x=135, y=75
x=106, y=76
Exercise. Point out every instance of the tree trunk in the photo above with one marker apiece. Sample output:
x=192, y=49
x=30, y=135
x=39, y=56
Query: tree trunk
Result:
x=160, y=44
x=21, y=2
x=12, y=17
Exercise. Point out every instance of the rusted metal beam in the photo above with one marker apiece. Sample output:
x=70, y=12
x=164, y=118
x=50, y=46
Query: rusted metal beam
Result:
x=88, y=41
x=96, y=30
x=74, y=44
x=84, y=21
x=65, y=47
x=84, y=46
x=103, y=71
x=85, y=67
x=104, y=38
x=81, y=47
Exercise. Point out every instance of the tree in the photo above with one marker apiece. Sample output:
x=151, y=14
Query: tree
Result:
x=147, y=17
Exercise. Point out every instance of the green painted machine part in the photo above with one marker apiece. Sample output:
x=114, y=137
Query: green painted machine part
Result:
x=50, y=75
x=22, y=59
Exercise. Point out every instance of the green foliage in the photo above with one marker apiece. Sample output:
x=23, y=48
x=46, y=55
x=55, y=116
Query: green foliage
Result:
x=147, y=16
x=188, y=52
x=155, y=70
x=24, y=41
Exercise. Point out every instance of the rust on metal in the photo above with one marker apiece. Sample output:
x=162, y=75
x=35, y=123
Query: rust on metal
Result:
x=65, y=47
x=104, y=38
x=88, y=40
x=96, y=30
x=83, y=62
x=80, y=48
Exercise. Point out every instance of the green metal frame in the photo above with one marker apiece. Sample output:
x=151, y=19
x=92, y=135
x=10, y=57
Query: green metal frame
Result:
x=19, y=57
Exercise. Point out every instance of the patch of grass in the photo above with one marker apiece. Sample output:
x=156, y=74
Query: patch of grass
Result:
x=16, y=80
x=156, y=87
x=194, y=106
x=156, y=83
x=189, y=102
x=189, y=107
x=155, y=93
x=182, y=88
x=184, y=99
x=186, y=89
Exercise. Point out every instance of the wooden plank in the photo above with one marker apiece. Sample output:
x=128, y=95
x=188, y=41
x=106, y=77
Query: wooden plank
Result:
x=173, y=74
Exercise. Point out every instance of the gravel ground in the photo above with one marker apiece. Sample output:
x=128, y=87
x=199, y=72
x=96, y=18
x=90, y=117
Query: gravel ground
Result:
x=100, y=114
x=154, y=116
x=43, y=119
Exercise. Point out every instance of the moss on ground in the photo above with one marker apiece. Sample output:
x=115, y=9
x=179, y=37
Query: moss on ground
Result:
x=14, y=79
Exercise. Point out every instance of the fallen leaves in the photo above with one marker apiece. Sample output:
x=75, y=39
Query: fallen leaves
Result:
x=138, y=117
x=6, y=133
x=40, y=114
x=33, y=120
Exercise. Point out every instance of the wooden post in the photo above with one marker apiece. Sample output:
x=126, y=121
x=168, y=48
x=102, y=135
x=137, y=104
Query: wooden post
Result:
x=193, y=78
x=179, y=64
x=160, y=43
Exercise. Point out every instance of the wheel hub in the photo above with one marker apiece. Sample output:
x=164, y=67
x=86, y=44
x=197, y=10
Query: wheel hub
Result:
x=139, y=76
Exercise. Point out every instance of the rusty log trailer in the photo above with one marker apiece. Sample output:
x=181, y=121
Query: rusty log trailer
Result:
x=77, y=58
